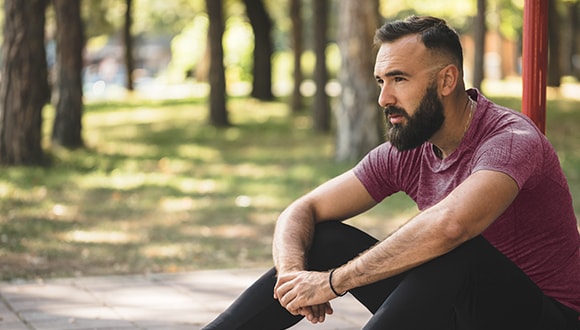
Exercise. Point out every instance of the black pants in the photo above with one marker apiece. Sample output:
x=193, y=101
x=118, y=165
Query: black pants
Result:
x=472, y=287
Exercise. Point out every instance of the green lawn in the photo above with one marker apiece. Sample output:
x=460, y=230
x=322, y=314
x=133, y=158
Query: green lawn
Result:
x=158, y=190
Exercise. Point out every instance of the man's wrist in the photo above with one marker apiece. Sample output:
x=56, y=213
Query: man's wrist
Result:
x=331, y=279
x=289, y=268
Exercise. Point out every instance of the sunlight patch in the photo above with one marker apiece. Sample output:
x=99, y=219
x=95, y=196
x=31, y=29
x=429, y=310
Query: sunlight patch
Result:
x=204, y=186
x=200, y=152
x=243, y=201
x=228, y=231
x=61, y=210
x=169, y=204
x=106, y=237
x=183, y=204
x=164, y=251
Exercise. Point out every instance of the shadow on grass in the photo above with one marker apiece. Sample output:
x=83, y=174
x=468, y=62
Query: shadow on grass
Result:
x=158, y=190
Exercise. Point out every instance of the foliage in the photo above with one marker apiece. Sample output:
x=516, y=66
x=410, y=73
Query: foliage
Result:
x=150, y=17
x=238, y=49
x=509, y=18
x=185, y=57
x=445, y=9
x=102, y=17
x=165, y=17
x=189, y=46
x=505, y=15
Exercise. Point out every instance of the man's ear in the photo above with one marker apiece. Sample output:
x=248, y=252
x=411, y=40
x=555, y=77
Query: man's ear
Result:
x=448, y=79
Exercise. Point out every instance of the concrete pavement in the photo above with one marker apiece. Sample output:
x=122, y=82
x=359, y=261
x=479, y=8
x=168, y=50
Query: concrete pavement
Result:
x=153, y=302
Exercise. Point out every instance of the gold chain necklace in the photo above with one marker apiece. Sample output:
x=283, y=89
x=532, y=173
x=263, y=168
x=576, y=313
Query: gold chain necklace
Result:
x=468, y=118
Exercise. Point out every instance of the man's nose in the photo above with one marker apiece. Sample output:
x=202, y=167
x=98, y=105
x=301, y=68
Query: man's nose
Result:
x=386, y=98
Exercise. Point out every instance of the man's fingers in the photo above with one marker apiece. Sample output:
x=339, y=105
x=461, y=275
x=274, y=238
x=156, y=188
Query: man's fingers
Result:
x=316, y=314
x=280, y=281
x=319, y=314
x=329, y=309
x=282, y=293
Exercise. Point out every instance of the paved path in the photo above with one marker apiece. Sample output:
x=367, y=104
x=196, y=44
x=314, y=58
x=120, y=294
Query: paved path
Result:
x=153, y=302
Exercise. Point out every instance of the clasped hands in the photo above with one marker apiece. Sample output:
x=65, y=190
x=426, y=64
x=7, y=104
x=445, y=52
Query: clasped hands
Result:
x=305, y=293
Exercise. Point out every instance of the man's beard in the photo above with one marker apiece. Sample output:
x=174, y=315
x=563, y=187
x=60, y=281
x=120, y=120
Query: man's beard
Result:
x=419, y=128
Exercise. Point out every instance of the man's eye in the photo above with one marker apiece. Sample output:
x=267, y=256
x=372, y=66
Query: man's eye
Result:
x=398, y=79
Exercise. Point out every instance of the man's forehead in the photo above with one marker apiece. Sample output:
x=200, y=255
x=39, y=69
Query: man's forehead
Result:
x=407, y=50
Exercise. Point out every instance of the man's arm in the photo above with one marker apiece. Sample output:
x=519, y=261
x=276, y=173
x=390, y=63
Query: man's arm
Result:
x=337, y=199
x=465, y=213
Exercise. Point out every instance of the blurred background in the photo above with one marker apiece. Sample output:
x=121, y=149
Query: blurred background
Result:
x=160, y=136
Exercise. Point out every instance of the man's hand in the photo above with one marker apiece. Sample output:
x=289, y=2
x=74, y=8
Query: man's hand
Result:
x=316, y=314
x=305, y=293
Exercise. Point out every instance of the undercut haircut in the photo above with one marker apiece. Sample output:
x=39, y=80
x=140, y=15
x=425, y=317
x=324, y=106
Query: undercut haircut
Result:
x=434, y=32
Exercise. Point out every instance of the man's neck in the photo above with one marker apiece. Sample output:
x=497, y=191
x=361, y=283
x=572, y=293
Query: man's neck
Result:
x=454, y=128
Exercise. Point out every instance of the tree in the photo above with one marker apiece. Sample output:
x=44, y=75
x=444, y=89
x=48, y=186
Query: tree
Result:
x=479, y=40
x=128, y=39
x=357, y=116
x=297, y=47
x=263, y=49
x=68, y=92
x=573, y=10
x=554, y=26
x=24, y=87
x=321, y=111
x=217, y=81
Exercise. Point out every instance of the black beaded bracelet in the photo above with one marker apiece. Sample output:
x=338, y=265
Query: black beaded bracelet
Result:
x=331, y=287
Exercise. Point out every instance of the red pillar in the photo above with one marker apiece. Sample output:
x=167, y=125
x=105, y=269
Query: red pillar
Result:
x=535, y=61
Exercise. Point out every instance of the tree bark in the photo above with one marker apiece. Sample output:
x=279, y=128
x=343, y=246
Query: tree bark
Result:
x=574, y=12
x=554, y=68
x=359, y=125
x=68, y=91
x=128, y=39
x=263, y=49
x=297, y=47
x=321, y=111
x=24, y=87
x=217, y=96
x=479, y=39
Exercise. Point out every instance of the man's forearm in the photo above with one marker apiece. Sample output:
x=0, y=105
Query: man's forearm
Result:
x=417, y=242
x=292, y=237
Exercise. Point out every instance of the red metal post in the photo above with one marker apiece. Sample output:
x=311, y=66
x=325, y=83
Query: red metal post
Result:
x=535, y=61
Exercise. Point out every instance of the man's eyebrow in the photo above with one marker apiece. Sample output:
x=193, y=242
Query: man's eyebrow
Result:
x=393, y=74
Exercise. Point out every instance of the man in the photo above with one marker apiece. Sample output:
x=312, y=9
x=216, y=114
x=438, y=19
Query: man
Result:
x=495, y=245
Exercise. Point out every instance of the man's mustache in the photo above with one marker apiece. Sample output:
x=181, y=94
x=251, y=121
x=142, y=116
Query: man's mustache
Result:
x=394, y=110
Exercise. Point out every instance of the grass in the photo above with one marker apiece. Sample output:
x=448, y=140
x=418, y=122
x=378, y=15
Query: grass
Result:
x=158, y=190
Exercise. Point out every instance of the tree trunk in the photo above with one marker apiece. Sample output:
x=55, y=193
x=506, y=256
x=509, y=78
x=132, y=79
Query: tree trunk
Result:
x=479, y=39
x=359, y=125
x=554, y=69
x=574, y=57
x=217, y=81
x=68, y=91
x=24, y=87
x=128, y=39
x=297, y=47
x=321, y=109
x=568, y=37
x=263, y=49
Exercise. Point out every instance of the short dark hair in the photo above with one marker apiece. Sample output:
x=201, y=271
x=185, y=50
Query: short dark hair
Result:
x=435, y=34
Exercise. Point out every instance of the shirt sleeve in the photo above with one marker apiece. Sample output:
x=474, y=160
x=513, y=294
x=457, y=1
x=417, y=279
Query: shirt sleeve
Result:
x=516, y=151
x=385, y=171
